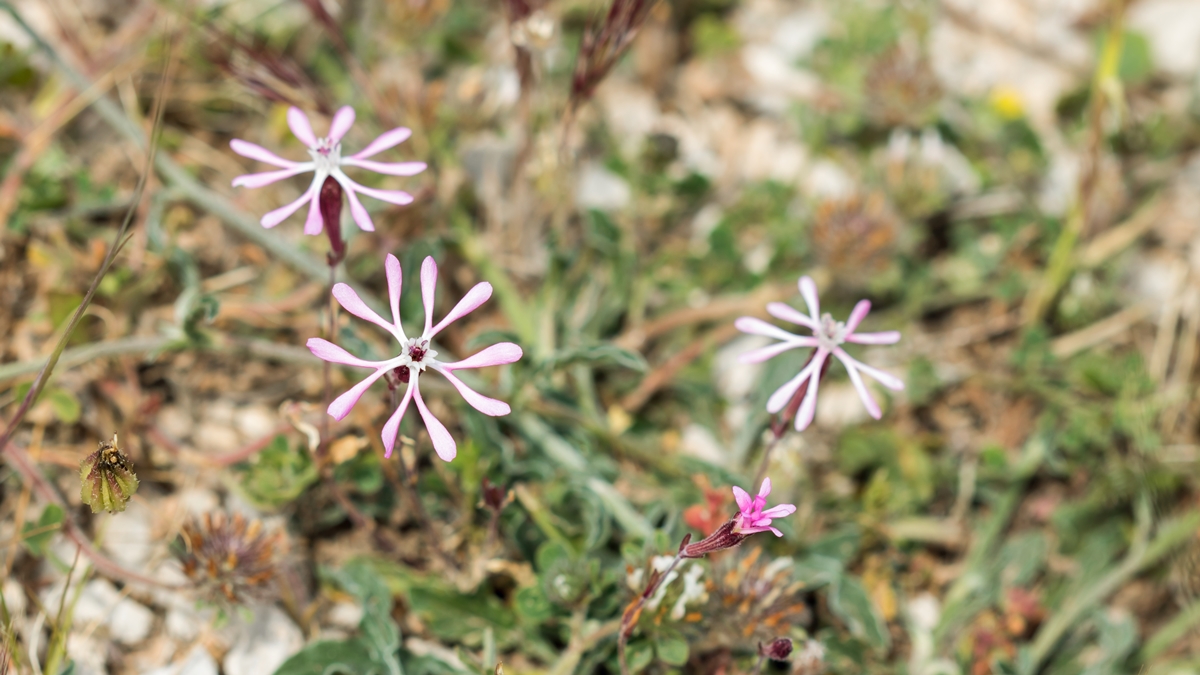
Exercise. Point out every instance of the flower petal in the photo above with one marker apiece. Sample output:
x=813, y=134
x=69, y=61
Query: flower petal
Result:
x=357, y=210
x=808, y=407
x=496, y=355
x=397, y=197
x=868, y=400
x=771, y=351
x=860, y=311
x=784, y=394
x=779, y=511
x=485, y=405
x=777, y=532
x=789, y=313
x=387, y=168
x=343, y=119
x=388, y=139
x=749, y=324
x=298, y=123
x=347, y=298
x=327, y=351
x=341, y=405
x=281, y=214
x=889, y=337
x=393, y=424
x=258, y=152
x=886, y=379
x=257, y=180
x=808, y=290
x=742, y=498
x=395, y=279
x=428, y=286
x=443, y=442
x=315, y=222
x=766, y=488
x=475, y=297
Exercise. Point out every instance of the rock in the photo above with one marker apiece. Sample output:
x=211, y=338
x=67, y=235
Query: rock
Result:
x=488, y=160
x=974, y=63
x=735, y=381
x=1172, y=28
x=197, y=662
x=14, y=597
x=264, y=644
x=89, y=653
x=345, y=615
x=100, y=602
x=839, y=406
x=176, y=423
x=197, y=501
x=601, y=189
x=255, y=422
x=699, y=442
x=217, y=438
x=182, y=624
x=826, y=179
x=128, y=538
x=631, y=113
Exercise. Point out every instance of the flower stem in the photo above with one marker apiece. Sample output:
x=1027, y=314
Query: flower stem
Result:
x=408, y=478
x=780, y=424
x=633, y=612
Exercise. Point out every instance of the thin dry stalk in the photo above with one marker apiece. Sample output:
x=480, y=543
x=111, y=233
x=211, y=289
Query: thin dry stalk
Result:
x=15, y=455
x=603, y=44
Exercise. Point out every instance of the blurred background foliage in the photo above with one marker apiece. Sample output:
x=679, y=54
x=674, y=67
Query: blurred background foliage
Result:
x=1013, y=185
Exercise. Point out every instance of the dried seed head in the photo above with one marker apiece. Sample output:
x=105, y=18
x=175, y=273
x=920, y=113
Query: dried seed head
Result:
x=855, y=234
x=106, y=478
x=779, y=649
x=902, y=89
x=230, y=559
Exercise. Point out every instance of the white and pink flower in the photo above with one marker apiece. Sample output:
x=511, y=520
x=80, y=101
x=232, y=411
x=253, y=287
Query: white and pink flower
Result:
x=327, y=162
x=828, y=337
x=752, y=517
x=416, y=355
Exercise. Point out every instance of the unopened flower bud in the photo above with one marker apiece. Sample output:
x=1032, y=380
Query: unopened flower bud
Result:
x=330, y=204
x=495, y=497
x=725, y=537
x=106, y=478
x=779, y=649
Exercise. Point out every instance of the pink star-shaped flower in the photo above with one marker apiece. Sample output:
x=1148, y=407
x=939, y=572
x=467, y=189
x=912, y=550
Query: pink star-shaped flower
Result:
x=828, y=337
x=327, y=161
x=416, y=355
x=752, y=518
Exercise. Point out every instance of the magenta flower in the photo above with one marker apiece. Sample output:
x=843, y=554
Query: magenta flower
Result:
x=828, y=337
x=752, y=517
x=327, y=161
x=415, y=356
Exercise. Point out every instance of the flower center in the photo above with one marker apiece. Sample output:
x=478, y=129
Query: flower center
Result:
x=327, y=156
x=832, y=333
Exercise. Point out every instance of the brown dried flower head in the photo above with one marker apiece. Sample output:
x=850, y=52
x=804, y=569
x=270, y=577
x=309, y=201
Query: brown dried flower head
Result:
x=106, y=478
x=902, y=89
x=230, y=559
x=856, y=234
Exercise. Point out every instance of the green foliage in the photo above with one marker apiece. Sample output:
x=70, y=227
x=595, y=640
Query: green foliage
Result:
x=277, y=475
x=375, y=651
x=36, y=536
